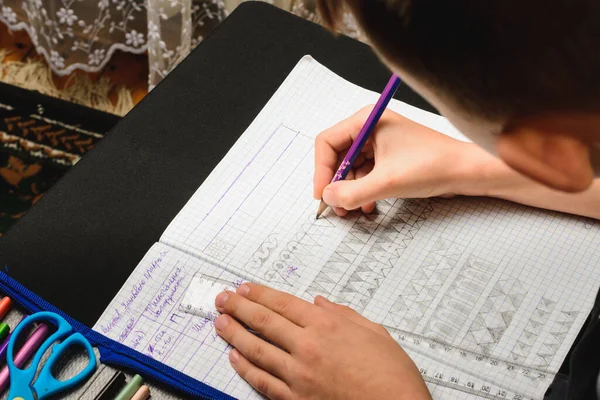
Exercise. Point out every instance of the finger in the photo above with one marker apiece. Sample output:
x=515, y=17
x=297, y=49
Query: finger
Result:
x=341, y=212
x=360, y=160
x=352, y=194
x=331, y=142
x=259, y=379
x=354, y=174
x=368, y=208
x=350, y=175
x=290, y=307
x=269, y=324
x=260, y=353
x=349, y=313
x=361, y=172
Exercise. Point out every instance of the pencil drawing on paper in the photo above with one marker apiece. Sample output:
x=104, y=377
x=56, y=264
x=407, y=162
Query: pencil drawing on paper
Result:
x=450, y=276
x=424, y=285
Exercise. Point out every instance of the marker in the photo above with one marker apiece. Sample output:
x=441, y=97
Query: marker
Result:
x=4, y=330
x=5, y=305
x=130, y=389
x=142, y=394
x=25, y=352
x=4, y=345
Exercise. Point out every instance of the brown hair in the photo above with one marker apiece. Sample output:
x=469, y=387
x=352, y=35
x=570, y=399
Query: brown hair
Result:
x=498, y=58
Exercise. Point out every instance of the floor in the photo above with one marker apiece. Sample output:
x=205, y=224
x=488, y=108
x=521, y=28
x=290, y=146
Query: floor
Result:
x=123, y=70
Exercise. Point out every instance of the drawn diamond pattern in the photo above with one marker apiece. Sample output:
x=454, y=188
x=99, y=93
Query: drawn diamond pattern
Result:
x=342, y=259
x=425, y=284
x=383, y=255
x=495, y=316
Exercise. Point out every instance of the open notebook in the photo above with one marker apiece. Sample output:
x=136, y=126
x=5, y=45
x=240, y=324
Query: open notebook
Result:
x=486, y=296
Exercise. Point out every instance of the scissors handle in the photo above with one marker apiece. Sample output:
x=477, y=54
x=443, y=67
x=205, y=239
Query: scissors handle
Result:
x=47, y=385
x=21, y=379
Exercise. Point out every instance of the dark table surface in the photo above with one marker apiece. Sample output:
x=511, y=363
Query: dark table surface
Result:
x=79, y=244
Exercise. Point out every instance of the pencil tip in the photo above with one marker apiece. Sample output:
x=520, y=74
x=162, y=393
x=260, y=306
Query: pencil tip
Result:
x=322, y=207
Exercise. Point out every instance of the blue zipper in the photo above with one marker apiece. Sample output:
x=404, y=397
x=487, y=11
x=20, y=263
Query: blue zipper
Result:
x=113, y=352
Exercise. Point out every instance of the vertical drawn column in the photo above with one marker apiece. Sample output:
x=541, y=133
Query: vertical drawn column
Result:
x=422, y=289
x=341, y=261
x=455, y=307
x=222, y=230
x=558, y=332
x=391, y=239
x=538, y=320
x=495, y=316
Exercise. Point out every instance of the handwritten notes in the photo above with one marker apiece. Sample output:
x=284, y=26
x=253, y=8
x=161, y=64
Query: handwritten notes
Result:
x=147, y=315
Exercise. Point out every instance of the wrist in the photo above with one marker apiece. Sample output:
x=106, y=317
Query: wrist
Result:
x=479, y=173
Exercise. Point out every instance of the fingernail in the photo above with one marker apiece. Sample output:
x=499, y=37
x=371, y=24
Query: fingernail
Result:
x=221, y=322
x=329, y=198
x=234, y=356
x=243, y=290
x=221, y=299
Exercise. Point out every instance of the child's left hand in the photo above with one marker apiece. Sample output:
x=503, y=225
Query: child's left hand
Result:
x=325, y=350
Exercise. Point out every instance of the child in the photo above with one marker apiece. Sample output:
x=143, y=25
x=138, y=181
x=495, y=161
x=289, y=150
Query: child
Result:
x=517, y=77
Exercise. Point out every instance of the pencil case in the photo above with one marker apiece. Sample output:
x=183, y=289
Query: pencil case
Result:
x=111, y=352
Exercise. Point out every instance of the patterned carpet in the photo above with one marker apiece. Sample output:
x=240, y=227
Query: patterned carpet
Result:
x=40, y=139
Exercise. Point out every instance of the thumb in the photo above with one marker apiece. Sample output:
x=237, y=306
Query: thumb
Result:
x=352, y=194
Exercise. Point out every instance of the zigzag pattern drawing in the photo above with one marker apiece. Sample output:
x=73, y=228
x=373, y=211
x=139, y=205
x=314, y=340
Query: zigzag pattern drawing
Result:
x=343, y=258
x=495, y=316
x=391, y=239
x=423, y=287
x=386, y=233
x=454, y=308
x=532, y=330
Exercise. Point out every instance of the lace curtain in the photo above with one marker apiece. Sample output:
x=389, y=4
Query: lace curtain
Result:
x=83, y=34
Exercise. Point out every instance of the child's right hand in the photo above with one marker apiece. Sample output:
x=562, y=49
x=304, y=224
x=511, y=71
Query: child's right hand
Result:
x=401, y=159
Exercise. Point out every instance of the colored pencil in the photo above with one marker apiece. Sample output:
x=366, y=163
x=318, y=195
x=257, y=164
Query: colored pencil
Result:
x=4, y=330
x=4, y=345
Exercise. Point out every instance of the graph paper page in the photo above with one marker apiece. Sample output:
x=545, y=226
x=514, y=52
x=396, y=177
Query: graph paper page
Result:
x=486, y=296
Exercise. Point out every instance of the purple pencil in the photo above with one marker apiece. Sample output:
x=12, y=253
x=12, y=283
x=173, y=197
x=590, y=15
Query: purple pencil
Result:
x=364, y=134
x=25, y=352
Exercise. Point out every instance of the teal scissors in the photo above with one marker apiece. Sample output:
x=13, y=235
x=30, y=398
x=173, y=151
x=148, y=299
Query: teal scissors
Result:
x=22, y=386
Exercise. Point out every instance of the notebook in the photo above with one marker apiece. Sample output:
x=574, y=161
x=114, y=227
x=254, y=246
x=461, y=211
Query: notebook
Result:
x=486, y=296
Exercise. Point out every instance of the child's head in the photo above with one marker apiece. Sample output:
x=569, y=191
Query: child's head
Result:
x=521, y=77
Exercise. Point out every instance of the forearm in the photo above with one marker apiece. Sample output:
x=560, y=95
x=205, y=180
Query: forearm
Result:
x=489, y=176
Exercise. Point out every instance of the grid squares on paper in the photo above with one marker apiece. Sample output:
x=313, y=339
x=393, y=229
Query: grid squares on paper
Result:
x=477, y=275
